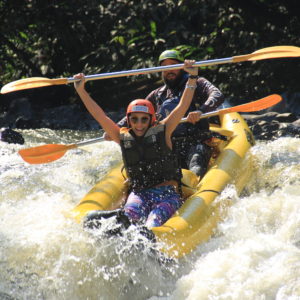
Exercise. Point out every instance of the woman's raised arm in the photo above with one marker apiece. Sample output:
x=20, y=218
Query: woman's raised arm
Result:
x=96, y=111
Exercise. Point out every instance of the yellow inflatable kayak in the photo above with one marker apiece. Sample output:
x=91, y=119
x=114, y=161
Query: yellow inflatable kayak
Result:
x=196, y=219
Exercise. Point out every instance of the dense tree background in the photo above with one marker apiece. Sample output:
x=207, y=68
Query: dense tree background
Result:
x=59, y=38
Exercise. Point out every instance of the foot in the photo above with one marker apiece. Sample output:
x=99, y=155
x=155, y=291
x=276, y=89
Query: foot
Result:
x=93, y=220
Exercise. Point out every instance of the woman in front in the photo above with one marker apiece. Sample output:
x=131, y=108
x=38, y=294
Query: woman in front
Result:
x=151, y=166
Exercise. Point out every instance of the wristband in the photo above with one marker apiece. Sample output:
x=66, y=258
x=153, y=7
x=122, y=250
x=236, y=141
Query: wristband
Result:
x=193, y=76
x=192, y=87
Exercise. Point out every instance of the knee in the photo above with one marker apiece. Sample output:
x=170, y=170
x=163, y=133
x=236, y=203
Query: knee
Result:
x=162, y=213
x=198, y=165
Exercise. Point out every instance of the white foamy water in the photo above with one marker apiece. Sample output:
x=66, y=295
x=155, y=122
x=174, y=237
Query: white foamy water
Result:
x=44, y=254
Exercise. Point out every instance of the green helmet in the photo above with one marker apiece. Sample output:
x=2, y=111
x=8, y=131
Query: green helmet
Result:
x=171, y=54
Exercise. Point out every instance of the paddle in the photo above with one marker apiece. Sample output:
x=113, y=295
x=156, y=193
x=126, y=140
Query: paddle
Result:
x=51, y=152
x=248, y=107
x=265, y=53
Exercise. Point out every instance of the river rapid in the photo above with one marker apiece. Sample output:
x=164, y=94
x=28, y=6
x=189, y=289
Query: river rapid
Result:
x=45, y=254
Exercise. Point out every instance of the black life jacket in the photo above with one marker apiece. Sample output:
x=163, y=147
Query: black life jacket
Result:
x=148, y=161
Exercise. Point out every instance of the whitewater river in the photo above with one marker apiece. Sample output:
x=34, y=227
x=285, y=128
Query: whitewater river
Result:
x=45, y=254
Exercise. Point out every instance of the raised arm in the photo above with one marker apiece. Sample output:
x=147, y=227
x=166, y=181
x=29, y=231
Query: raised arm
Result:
x=173, y=119
x=96, y=111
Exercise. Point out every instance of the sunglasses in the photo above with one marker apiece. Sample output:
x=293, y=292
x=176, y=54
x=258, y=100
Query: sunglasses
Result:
x=143, y=120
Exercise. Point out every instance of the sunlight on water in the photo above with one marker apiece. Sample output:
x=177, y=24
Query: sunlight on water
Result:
x=255, y=253
x=44, y=254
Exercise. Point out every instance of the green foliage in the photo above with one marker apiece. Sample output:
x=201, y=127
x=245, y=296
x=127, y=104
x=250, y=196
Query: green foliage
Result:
x=60, y=38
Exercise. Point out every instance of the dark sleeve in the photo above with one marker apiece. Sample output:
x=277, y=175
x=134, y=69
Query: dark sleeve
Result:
x=152, y=97
x=210, y=96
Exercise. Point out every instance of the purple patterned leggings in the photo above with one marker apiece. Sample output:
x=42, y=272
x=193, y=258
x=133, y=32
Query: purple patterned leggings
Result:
x=153, y=206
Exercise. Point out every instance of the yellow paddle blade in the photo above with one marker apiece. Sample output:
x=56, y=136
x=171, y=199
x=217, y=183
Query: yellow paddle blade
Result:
x=30, y=83
x=257, y=105
x=44, y=154
x=269, y=52
x=280, y=49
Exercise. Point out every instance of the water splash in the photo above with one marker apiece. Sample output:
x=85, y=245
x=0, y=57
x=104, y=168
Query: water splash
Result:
x=254, y=253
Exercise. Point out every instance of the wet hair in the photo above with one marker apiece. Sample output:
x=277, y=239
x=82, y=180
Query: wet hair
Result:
x=12, y=137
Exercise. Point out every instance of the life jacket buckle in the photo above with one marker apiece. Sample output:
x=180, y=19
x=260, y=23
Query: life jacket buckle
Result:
x=127, y=144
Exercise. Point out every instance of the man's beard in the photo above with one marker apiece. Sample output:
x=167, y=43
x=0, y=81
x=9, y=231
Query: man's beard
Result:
x=173, y=83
